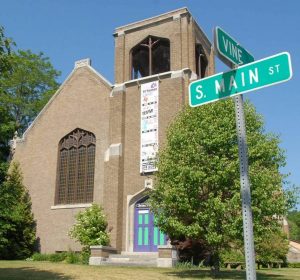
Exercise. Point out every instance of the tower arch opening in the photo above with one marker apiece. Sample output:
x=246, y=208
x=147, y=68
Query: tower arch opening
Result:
x=151, y=56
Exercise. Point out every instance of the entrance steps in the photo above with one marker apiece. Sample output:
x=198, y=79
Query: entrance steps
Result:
x=132, y=259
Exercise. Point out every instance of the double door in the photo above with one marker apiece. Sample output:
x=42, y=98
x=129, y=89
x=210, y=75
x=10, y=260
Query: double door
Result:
x=147, y=236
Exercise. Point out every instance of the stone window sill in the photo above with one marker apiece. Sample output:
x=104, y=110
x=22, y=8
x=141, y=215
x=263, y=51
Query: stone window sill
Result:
x=71, y=206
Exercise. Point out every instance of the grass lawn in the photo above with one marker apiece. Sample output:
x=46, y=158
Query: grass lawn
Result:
x=23, y=270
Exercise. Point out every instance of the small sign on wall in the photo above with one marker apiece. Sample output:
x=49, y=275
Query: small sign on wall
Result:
x=148, y=183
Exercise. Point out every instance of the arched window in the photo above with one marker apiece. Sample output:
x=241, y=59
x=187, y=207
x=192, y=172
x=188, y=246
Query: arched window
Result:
x=151, y=56
x=201, y=61
x=76, y=167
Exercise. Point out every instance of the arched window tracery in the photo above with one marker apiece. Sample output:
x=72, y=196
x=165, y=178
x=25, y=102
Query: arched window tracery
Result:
x=76, y=168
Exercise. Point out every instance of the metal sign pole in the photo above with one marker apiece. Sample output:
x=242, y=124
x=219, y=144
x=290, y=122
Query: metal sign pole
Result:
x=245, y=189
x=207, y=90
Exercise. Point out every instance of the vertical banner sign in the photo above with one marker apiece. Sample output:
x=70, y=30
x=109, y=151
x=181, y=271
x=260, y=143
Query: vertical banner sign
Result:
x=149, y=127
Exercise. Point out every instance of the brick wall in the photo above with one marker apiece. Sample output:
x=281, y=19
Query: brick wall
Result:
x=82, y=102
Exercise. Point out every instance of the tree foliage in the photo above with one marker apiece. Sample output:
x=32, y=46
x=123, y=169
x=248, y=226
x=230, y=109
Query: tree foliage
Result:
x=7, y=126
x=197, y=187
x=294, y=225
x=90, y=227
x=17, y=225
x=273, y=248
x=5, y=51
x=29, y=86
x=27, y=81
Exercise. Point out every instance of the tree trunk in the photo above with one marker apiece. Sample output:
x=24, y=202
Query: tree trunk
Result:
x=215, y=268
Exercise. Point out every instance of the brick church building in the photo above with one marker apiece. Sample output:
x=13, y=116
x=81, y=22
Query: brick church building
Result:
x=96, y=142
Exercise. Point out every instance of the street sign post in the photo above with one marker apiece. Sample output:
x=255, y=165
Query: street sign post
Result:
x=252, y=76
x=245, y=188
x=230, y=51
x=262, y=73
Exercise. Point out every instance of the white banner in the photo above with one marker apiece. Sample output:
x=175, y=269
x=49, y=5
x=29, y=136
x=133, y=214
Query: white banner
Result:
x=149, y=126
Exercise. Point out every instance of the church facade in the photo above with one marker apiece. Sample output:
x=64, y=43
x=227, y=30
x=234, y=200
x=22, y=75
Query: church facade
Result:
x=96, y=142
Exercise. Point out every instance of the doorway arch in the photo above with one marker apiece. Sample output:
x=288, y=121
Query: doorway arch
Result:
x=141, y=233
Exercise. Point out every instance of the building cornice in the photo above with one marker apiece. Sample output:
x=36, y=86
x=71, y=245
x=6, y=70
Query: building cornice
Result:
x=119, y=88
x=131, y=27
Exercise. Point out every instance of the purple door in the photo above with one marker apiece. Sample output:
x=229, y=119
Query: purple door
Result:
x=146, y=235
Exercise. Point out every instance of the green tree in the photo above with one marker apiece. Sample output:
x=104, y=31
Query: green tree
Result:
x=90, y=227
x=5, y=51
x=7, y=126
x=29, y=86
x=17, y=225
x=294, y=225
x=197, y=187
x=3, y=172
x=273, y=248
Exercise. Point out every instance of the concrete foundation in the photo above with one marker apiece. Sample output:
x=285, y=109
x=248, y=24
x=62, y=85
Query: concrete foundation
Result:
x=167, y=256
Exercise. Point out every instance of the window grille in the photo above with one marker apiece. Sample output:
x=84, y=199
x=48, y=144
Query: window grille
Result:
x=76, y=167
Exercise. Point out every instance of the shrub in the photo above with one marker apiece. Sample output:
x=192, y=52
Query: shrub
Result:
x=68, y=257
x=272, y=248
x=85, y=256
x=186, y=265
x=73, y=257
x=40, y=257
x=232, y=255
x=57, y=257
x=294, y=265
x=90, y=228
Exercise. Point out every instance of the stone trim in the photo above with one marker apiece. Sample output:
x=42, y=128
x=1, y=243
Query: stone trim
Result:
x=131, y=200
x=96, y=260
x=99, y=251
x=177, y=17
x=113, y=150
x=167, y=256
x=82, y=63
x=71, y=206
x=181, y=73
x=149, y=21
x=106, y=82
x=118, y=88
x=149, y=183
x=172, y=15
x=193, y=76
x=147, y=79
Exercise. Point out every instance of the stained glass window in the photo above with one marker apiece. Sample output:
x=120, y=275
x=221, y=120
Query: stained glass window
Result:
x=76, y=167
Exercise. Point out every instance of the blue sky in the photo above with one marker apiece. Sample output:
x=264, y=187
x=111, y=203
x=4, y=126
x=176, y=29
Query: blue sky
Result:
x=71, y=30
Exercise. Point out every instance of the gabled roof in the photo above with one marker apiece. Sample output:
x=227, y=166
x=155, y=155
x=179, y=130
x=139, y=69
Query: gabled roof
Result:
x=78, y=64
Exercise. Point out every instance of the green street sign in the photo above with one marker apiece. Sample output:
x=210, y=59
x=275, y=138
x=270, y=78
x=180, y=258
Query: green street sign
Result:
x=229, y=49
x=262, y=73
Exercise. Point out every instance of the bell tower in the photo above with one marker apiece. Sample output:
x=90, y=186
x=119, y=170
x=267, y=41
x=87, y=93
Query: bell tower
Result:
x=159, y=55
x=168, y=42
